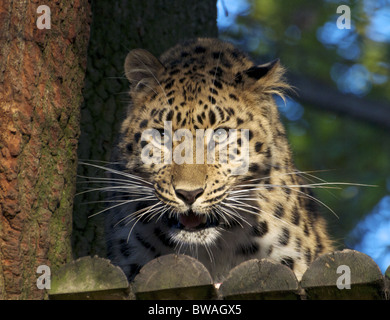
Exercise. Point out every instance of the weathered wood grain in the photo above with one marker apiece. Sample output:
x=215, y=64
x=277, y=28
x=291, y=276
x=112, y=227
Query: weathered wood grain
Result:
x=329, y=275
x=180, y=277
x=89, y=279
x=174, y=277
x=260, y=279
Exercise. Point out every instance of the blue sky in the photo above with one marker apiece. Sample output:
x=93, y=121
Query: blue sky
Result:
x=374, y=234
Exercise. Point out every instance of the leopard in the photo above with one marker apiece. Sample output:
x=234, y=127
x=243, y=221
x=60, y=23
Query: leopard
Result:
x=208, y=210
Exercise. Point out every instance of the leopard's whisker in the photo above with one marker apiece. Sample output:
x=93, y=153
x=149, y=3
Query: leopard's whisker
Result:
x=120, y=173
x=162, y=212
x=121, y=189
x=308, y=173
x=135, y=223
x=151, y=212
x=138, y=212
x=241, y=208
x=209, y=252
x=243, y=203
x=233, y=215
x=264, y=186
x=221, y=213
x=278, y=174
x=121, y=204
x=110, y=181
x=318, y=201
x=293, y=188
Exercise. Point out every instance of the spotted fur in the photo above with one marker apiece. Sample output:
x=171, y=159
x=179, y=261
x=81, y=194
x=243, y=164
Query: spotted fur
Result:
x=204, y=210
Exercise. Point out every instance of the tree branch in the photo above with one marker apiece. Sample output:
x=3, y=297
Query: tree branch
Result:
x=327, y=98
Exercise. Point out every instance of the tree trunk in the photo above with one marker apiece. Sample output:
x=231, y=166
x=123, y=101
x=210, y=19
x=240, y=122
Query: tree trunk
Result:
x=41, y=78
x=117, y=28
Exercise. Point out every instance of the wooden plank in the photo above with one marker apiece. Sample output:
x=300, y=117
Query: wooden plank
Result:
x=174, y=277
x=89, y=278
x=260, y=279
x=346, y=274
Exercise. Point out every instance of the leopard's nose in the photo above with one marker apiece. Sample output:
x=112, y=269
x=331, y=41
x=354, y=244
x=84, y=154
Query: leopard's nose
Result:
x=189, y=196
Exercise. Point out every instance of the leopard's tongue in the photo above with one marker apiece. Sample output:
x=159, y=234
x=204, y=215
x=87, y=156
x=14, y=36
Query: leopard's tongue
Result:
x=191, y=220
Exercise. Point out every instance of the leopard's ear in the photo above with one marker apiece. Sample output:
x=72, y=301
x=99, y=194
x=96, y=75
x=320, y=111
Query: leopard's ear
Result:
x=268, y=77
x=142, y=70
x=263, y=71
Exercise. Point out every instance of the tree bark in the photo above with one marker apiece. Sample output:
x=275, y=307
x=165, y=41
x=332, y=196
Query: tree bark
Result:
x=41, y=78
x=118, y=27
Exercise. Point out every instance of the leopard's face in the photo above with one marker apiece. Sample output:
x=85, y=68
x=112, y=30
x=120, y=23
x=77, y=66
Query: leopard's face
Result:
x=200, y=131
x=203, y=166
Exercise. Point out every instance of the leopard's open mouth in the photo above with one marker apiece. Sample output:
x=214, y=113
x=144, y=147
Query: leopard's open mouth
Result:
x=191, y=221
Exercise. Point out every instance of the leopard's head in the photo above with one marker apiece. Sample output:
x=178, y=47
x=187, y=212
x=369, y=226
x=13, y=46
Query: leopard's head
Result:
x=201, y=128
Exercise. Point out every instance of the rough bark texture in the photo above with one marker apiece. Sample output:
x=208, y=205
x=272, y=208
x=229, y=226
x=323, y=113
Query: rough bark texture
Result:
x=118, y=27
x=41, y=78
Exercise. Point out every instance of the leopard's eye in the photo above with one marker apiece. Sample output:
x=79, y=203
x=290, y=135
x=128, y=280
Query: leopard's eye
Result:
x=220, y=134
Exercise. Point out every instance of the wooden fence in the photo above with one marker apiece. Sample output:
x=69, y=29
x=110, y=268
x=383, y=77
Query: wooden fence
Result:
x=346, y=274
